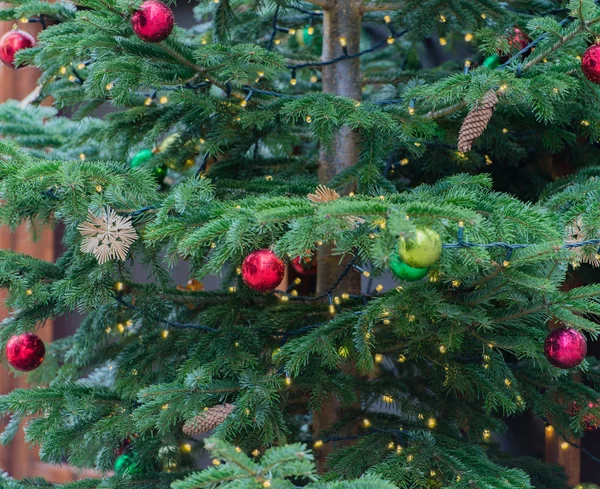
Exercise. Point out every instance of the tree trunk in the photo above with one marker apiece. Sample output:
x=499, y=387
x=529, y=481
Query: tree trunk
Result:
x=341, y=21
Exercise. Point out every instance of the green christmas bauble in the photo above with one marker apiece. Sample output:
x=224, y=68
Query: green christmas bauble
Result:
x=125, y=464
x=141, y=157
x=422, y=249
x=402, y=271
x=586, y=485
x=492, y=62
x=305, y=36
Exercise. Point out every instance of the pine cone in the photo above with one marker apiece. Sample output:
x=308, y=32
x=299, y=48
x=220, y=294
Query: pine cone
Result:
x=476, y=121
x=208, y=420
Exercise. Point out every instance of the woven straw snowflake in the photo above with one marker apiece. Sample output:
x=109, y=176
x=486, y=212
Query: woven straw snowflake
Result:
x=107, y=236
x=325, y=194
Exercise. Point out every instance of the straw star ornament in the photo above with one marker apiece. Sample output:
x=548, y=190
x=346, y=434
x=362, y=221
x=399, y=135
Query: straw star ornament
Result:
x=107, y=236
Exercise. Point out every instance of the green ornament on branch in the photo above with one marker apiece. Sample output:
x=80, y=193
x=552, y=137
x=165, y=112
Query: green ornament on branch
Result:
x=421, y=249
x=126, y=465
x=402, y=271
x=144, y=156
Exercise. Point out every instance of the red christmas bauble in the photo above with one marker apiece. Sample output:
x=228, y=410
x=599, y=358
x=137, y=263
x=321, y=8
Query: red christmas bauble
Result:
x=305, y=266
x=14, y=41
x=590, y=63
x=565, y=347
x=590, y=421
x=25, y=352
x=263, y=270
x=518, y=39
x=153, y=22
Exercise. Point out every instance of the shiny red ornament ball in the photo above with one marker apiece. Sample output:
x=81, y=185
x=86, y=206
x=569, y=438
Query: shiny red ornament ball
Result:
x=590, y=63
x=305, y=266
x=263, y=270
x=153, y=22
x=519, y=39
x=25, y=352
x=14, y=41
x=565, y=347
x=590, y=421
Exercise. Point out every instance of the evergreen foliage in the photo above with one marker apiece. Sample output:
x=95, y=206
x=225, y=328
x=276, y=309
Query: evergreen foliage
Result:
x=424, y=373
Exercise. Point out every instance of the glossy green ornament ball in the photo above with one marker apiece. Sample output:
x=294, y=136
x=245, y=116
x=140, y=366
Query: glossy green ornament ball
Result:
x=586, y=485
x=421, y=249
x=126, y=464
x=402, y=271
x=141, y=157
x=492, y=62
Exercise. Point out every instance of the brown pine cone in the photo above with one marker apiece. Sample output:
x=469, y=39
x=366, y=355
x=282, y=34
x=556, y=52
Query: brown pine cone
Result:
x=208, y=420
x=476, y=121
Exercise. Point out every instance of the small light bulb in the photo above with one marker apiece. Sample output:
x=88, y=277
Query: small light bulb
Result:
x=99, y=188
x=108, y=330
x=255, y=452
x=121, y=327
x=486, y=434
x=72, y=78
x=564, y=445
x=268, y=178
x=410, y=458
x=165, y=333
x=318, y=444
x=387, y=399
x=277, y=42
x=343, y=41
x=293, y=81
x=343, y=351
x=238, y=449
x=110, y=86
x=366, y=273
x=549, y=429
x=585, y=123
x=24, y=20
x=345, y=296
x=443, y=41
x=411, y=111
x=186, y=448
x=366, y=423
x=29, y=292
x=310, y=31
x=442, y=349
x=261, y=74
x=390, y=40
x=82, y=156
x=483, y=16
x=308, y=119
x=148, y=101
x=204, y=40
x=81, y=66
x=331, y=309
x=63, y=70
x=387, y=19
x=442, y=19
x=378, y=358
x=266, y=484
x=288, y=381
x=401, y=358
x=292, y=31
x=163, y=100
x=379, y=288
x=404, y=161
x=216, y=462
x=314, y=79
x=431, y=423
x=243, y=103
x=468, y=37
x=507, y=382
x=164, y=407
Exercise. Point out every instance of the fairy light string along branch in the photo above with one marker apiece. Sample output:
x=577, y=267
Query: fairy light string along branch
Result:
x=441, y=153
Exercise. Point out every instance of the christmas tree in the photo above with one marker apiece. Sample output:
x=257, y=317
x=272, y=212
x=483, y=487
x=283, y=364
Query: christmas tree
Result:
x=306, y=152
